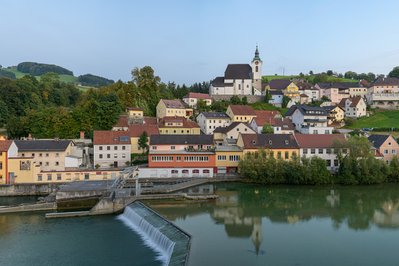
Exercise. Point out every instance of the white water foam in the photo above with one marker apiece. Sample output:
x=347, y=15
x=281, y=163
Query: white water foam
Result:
x=151, y=236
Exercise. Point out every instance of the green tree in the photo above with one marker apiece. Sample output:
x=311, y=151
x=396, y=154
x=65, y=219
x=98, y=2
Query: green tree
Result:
x=267, y=129
x=244, y=100
x=143, y=142
x=286, y=100
x=235, y=100
x=394, y=72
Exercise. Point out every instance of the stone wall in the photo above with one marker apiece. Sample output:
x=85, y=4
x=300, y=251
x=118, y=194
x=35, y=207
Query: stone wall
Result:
x=27, y=189
x=250, y=98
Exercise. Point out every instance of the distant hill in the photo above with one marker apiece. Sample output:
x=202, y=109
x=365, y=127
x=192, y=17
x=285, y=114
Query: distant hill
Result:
x=95, y=81
x=38, y=69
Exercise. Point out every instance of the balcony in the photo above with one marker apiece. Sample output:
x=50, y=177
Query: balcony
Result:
x=385, y=97
x=191, y=149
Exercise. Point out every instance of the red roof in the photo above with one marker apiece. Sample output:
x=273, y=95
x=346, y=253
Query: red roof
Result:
x=265, y=117
x=284, y=123
x=137, y=130
x=242, y=110
x=319, y=141
x=5, y=145
x=104, y=137
x=354, y=102
x=197, y=95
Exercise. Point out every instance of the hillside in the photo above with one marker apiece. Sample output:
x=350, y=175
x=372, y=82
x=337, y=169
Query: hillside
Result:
x=309, y=78
x=83, y=81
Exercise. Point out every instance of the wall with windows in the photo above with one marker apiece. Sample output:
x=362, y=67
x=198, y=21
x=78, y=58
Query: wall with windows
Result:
x=327, y=154
x=175, y=172
x=284, y=154
x=194, y=159
x=112, y=155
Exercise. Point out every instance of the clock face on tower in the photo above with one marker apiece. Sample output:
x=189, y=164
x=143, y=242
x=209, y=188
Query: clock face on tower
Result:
x=256, y=62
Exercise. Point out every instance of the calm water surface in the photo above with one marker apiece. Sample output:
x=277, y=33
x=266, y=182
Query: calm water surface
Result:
x=256, y=225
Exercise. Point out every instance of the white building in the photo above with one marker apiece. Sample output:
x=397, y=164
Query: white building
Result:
x=309, y=119
x=209, y=121
x=112, y=149
x=229, y=135
x=322, y=146
x=192, y=98
x=354, y=107
x=240, y=79
x=384, y=93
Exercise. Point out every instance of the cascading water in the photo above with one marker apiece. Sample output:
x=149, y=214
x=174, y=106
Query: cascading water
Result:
x=151, y=227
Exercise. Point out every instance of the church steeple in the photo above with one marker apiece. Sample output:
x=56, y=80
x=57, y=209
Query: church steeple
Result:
x=256, y=54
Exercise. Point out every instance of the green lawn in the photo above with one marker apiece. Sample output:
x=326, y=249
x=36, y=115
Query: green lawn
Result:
x=269, y=107
x=381, y=119
x=330, y=79
x=63, y=78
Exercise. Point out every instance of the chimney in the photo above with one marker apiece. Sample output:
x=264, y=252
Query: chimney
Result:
x=81, y=134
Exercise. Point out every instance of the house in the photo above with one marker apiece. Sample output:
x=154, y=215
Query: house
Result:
x=283, y=126
x=135, y=131
x=7, y=149
x=309, y=119
x=336, y=91
x=112, y=149
x=227, y=159
x=173, y=108
x=133, y=116
x=276, y=98
x=263, y=117
x=50, y=155
x=304, y=98
x=192, y=98
x=280, y=146
x=240, y=79
x=180, y=156
x=286, y=86
x=335, y=114
x=323, y=146
x=384, y=93
x=354, y=107
x=309, y=90
x=209, y=121
x=177, y=125
x=240, y=113
x=229, y=135
x=386, y=145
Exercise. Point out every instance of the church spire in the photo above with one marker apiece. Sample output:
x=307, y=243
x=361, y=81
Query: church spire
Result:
x=256, y=54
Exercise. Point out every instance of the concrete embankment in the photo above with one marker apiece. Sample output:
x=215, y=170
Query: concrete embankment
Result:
x=45, y=206
x=27, y=189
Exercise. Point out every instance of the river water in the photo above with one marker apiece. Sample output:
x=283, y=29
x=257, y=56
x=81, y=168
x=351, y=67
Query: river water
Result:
x=246, y=225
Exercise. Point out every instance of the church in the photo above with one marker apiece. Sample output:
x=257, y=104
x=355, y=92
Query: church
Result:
x=240, y=79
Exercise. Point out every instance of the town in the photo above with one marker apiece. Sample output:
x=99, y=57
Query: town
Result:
x=188, y=139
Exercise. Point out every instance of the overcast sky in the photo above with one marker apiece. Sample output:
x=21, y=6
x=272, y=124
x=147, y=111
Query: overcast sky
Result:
x=190, y=41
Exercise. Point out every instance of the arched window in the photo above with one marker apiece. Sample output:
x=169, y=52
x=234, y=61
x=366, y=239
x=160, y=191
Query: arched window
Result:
x=256, y=68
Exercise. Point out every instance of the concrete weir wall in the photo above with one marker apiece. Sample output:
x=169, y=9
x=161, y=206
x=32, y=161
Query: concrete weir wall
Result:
x=27, y=189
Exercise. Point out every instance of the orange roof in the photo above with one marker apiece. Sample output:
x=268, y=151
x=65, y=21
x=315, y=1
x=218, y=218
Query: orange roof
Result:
x=265, y=117
x=242, y=110
x=354, y=101
x=137, y=130
x=197, y=95
x=103, y=137
x=5, y=145
x=319, y=141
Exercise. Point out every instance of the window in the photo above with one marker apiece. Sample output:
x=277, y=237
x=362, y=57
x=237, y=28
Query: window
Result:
x=40, y=155
x=286, y=155
x=335, y=162
x=108, y=148
x=206, y=171
x=172, y=147
x=100, y=148
x=123, y=155
x=1, y=165
x=49, y=177
x=46, y=154
x=385, y=151
x=57, y=154
x=328, y=163
x=221, y=157
x=154, y=147
x=279, y=155
x=39, y=177
x=87, y=176
x=234, y=158
x=196, y=171
x=108, y=156
x=305, y=151
x=47, y=163
x=100, y=156
x=115, y=148
x=23, y=154
x=312, y=151
x=175, y=171
x=58, y=177
x=57, y=163
x=393, y=151
x=33, y=155
x=320, y=151
x=328, y=151
x=123, y=148
x=115, y=155
x=178, y=158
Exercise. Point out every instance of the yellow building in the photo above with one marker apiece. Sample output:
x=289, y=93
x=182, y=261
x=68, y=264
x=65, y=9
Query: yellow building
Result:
x=292, y=90
x=281, y=146
x=173, y=108
x=240, y=113
x=286, y=86
x=134, y=112
x=135, y=131
x=7, y=150
x=335, y=114
x=227, y=159
x=178, y=126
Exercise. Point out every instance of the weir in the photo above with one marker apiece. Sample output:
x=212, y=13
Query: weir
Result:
x=171, y=242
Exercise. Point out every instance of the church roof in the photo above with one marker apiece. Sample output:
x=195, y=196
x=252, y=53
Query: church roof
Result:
x=238, y=71
x=219, y=82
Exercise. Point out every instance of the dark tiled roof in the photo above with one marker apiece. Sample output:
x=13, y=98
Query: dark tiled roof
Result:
x=339, y=85
x=219, y=82
x=134, y=109
x=284, y=123
x=279, y=84
x=319, y=141
x=269, y=141
x=377, y=140
x=276, y=92
x=354, y=101
x=291, y=110
x=310, y=110
x=331, y=107
x=175, y=104
x=42, y=145
x=215, y=115
x=197, y=95
x=230, y=127
x=385, y=82
x=242, y=110
x=238, y=71
x=181, y=139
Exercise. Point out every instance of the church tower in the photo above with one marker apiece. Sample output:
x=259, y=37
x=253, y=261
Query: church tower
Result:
x=256, y=65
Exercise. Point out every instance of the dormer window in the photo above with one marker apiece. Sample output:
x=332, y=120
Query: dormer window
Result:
x=270, y=142
x=286, y=142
